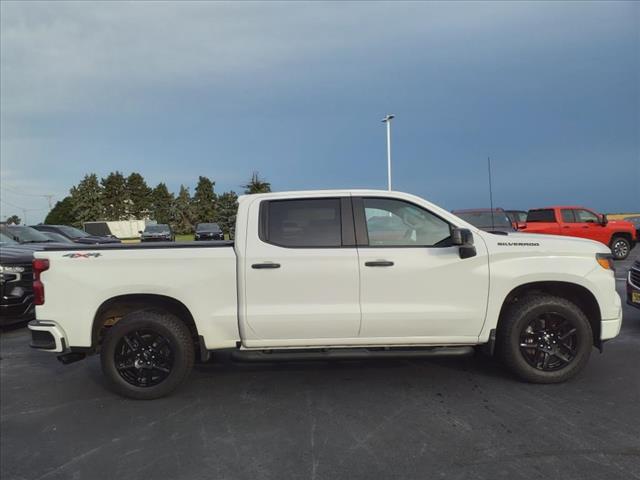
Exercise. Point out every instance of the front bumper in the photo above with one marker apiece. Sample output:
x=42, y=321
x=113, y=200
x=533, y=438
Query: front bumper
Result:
x=633, y=292
x=12, y=313
x=47, y=335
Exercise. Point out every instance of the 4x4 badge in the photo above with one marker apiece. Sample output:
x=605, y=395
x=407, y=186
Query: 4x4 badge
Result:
x=82, y=255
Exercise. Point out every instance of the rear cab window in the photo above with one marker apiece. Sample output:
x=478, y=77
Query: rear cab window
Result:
x=541, y=215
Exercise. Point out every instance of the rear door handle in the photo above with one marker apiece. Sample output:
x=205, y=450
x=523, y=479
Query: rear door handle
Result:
x=259, y=266
x=379, y=263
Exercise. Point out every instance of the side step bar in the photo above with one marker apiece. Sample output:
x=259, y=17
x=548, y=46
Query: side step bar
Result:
x=348, y=354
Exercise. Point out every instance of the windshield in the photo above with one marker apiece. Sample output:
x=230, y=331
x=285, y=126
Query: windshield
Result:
x=73, y=232
x=484, y=220
x=207, y=227
x=6, y=240
x=56, y=237
x=156, y=228
x=24, y=234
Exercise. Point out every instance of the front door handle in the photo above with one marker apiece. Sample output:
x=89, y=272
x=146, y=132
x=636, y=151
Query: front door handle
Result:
x=259, y=266
x=379, y=263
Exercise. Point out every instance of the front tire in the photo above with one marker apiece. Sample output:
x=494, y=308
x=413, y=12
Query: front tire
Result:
x=545, y=339
x=147, y=355
x=620, y=248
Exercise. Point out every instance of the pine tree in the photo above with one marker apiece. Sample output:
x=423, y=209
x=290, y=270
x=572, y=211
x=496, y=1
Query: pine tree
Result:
x=182, y=221
x=114, y=196
x=204, y=201
x=138, y=196
x=86, y=200
x=162, y=204
x=226, y=213
x=257, y=185
x=61, y=213
x=14, y=220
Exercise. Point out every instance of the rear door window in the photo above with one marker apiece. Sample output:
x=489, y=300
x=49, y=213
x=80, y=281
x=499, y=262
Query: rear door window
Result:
x=302, y=223
x=544, y=215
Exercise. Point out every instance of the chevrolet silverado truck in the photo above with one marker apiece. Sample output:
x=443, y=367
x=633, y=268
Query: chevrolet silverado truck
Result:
x=619, y=235
x=327, y=275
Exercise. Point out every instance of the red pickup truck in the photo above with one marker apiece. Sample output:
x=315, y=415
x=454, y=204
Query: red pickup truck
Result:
x=620, y=236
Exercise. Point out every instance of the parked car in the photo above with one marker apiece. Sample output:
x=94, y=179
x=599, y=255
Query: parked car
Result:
x=5, y=240
x=76, y=235
x=16, y=283
x=633, y=285
x=636, y=223
x=517, y=217
x=618, y=235
x=307, y=278
x=24, y=235
x=208, y=231
x=157, y=233
x=483, y=218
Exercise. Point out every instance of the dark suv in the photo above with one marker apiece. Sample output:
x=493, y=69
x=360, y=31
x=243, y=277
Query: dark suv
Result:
x=208, y=231
x=16, y=282
x=76, y=235
x=157, y=233
x=486, y=219
x=633, y=285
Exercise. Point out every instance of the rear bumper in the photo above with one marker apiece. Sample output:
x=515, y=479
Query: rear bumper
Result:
x=47, y=335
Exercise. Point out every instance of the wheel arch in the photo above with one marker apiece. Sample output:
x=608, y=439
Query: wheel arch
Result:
x=114, y=308
x=577, y=294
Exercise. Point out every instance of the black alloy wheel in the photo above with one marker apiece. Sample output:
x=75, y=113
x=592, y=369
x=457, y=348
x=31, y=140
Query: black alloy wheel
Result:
x=549, y=342
x=143, y=358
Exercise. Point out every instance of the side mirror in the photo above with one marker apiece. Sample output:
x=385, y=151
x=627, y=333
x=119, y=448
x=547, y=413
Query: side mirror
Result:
x=140, y=232
x=463, y=238
x=604, y=220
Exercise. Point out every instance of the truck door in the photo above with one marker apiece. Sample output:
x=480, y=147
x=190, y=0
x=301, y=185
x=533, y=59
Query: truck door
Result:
x=588, y=226
x=414, y=287
x=301, y=273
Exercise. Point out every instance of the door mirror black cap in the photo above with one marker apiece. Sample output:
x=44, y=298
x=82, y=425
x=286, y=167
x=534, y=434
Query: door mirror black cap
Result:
x=462, y=236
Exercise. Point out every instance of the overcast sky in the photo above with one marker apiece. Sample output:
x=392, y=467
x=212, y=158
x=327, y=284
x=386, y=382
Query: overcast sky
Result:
x=296, y=91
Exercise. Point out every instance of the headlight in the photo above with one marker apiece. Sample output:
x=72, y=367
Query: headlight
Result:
x=11, y=269
x=605, y=260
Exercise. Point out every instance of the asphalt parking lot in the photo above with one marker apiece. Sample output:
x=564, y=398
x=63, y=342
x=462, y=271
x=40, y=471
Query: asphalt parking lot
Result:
x=442, y=418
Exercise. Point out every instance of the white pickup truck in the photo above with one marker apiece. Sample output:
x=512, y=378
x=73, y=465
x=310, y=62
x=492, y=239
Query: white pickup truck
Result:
x=327, y=274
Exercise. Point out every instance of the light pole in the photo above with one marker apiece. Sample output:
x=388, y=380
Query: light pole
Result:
x=387, y=119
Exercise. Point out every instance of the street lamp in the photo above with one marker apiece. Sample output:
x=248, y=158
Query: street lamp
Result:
x=387, y=119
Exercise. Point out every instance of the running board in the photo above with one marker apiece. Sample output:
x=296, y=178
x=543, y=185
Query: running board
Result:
x=348, y=354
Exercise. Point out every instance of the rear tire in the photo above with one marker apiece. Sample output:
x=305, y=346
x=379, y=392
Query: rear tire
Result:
x=544, y=339
x=147, y=355
x=620, y=248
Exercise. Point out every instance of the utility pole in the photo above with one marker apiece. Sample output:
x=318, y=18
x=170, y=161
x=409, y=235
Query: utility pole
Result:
x=387, y=119
x=493, y=222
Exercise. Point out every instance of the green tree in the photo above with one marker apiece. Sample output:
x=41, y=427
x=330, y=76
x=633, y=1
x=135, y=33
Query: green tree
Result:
x=61, y=213
x=257, y=185
x=227, y=211
x=182, y=221
x=162, y=204
x=14, y=220
x=86, y=200
x=114, y=196
x=138, y=196
x=204, y=201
